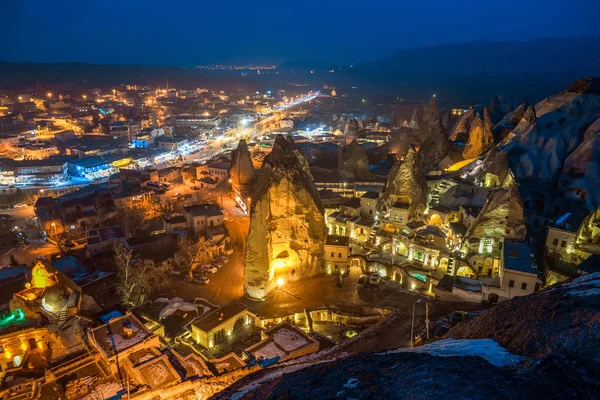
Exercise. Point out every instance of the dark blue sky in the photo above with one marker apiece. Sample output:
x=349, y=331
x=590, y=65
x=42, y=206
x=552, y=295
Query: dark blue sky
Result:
x=202, y=31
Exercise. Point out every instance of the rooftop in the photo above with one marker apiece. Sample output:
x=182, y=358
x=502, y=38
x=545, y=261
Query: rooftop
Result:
x=219, y=316
x=337, y=240
x=119, y=334
x=208, y=210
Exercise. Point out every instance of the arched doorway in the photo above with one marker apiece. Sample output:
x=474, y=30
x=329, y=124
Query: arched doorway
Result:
x=466, y=271
x=357, y=262
x=239, y=323
x=493, y=298
x=444, y=263
x=397, y=276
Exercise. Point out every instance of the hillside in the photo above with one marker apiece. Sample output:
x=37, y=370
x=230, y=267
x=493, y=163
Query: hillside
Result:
x=549, y=350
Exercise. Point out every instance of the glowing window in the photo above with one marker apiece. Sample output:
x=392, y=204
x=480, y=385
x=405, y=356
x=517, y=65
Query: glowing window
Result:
x=486, y=245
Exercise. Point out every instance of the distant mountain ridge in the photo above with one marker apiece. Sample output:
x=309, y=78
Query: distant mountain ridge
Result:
x=501, y=58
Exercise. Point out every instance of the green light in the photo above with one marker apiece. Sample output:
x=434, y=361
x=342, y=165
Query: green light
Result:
x=12, y=317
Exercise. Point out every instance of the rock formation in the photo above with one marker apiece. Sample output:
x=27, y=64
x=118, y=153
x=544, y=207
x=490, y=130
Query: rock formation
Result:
x=495, y=108
x=550, y=131
x=415, y=119
x=460, y=132
x=406, y=184
x=353, y=162
x=435, y=144
x=578, y=160
x=495, y=169
x=481, y=138
x=242, y=170
x=287, y=227
x=447, y=120
x=500, y=218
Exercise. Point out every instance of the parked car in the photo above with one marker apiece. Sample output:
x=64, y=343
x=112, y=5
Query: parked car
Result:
x=362, y=281
x=203, y=280
x=375, y=279
x=42, y=258
x=442, y=330
x=225, y=259
x=210, y=268
x=456, y=317
x=217, y=262
x=19, y=205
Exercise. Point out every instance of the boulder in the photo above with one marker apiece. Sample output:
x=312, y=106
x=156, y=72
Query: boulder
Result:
x=353, y=162
x=287, y=226
x=242, y=169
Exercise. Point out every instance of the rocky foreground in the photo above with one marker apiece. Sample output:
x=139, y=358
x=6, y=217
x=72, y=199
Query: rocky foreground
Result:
x=545, y=345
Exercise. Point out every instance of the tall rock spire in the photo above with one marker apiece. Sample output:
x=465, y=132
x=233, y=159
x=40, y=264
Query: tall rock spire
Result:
x=287, y=226
x=481, y=138
x=434, y=145
x=242, y=169
x=406, y=184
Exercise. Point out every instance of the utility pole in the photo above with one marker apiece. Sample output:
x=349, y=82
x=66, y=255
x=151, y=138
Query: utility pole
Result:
x=427, y=321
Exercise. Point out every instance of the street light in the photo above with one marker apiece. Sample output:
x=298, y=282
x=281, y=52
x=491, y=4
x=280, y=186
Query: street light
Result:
x=412, y=327
x=279, y=282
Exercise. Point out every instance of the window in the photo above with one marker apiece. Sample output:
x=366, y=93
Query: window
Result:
x=555, y=242
x=486, y=245
x=563, y=243
x=332, y=254
x=370, y=212
x=523, y=286
x=339, y=255
x=511, y=283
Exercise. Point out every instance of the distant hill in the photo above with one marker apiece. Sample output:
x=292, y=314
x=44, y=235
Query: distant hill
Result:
x=20, y=74
x=493, y=58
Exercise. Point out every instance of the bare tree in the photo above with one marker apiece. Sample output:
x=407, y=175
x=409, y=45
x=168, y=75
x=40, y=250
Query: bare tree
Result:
x=195, y=252
x=136, y=277
x=166, y=207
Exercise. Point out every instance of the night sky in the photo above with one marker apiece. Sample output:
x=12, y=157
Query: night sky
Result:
x=231, y=31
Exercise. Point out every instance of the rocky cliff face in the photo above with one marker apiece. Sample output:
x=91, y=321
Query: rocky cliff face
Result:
x=287, y=227
x=242, y=170
x=550, y=131
x=406, y=183
x=435, y=144
x=353, y=162
x=460, y=132
x=500, y=218
x=551, y=335
x=578, y=160
x=481, y=138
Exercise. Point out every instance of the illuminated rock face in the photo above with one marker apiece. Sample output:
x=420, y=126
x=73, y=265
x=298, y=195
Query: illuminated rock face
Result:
x=242, y=170
x=500, y=218
x=460, y=132
x=406, y=184
x=481, y=138
x=287, y=227
x=353, y=162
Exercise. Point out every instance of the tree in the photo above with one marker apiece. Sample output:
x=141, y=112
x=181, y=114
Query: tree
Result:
x=194, y=253
x=136, y=277
x=131, y=219
x=166, y=207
